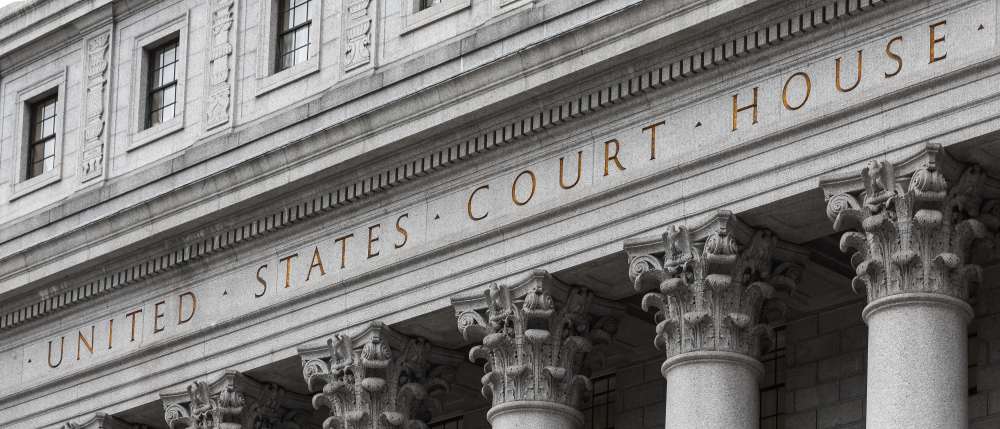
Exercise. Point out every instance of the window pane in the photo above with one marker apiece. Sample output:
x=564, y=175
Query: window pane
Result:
x=49, y=164
x=302, y=37
x=169, y=95
x=168, y=113
x=49, y=148
x=301, y=54
x=37, y=152
x=48, y=128
x=49, y=109
x=35, y=169
x=168, y=74
x=170, y=54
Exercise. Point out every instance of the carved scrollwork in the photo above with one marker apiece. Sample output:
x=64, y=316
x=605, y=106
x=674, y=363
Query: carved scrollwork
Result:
x=234, y=402
x=534, y=347
x=918, y=238
x=710, y=295
x=367, y=385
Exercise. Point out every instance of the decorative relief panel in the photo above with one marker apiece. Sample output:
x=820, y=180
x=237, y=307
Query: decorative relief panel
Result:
x=916, y=232
x=359, y=29
x=219, y=94
x=95, y=117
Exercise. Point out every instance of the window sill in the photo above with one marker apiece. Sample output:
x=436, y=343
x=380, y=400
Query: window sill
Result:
x=150, y=135
x=277, y=80
x=427, y=16
x=33, y=184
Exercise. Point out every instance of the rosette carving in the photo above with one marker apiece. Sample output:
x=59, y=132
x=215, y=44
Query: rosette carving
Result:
x=232, y=402
x=709, y=296
x=913, y=238
x=368, y=385
x=534, y=347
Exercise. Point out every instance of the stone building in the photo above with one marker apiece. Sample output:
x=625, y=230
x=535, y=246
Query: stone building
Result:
x=463, y=214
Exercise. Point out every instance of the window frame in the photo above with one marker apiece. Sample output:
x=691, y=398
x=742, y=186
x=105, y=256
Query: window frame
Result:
x=269, y=78
x=414, y=17
x=25, y=99
x=151, y=89
x=143, y=44
x=37, y=117
x=281, y=33
x=610, y=395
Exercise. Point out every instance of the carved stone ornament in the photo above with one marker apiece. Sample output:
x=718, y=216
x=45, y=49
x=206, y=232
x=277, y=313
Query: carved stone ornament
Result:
x=101, y=421
x=915, y=233
x=92, y=155
x=368, y=383
x=534, y=346
x=234, y=401
x=709, y=295
x=220, y=91
x=358, y=34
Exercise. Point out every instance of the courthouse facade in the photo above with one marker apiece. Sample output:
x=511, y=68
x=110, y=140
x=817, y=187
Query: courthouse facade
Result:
x=464, y=214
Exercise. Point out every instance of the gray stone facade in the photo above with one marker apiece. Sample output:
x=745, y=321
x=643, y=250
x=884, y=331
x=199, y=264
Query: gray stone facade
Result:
x=562, y=214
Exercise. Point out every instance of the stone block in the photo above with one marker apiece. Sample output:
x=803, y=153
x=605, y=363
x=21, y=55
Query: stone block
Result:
x=840, y=318
x=815, y=396
x=817, y=348
x=804, y=420
x=853, y=387
x=844, y=413
x=978, y=405
x=802, y=329
x=801, y=376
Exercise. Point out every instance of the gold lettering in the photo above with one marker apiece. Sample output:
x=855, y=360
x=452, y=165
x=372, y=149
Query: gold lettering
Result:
x=180, y=307
x=468, y=204
x=893, y=56
x=513, y=188
x=579, y=171
x=343, y=249
x=373, y=232
x=784, y=92
x=402, y=231
x=288, y=268
x=857, y=79
x=132, y=316
x=81, y=340
x=608, y=157
x=157, y=315
x=737, y=110
x=261, y=281
x=316, y=262
x=935, y=40
x=652, y=138
x=62, y=343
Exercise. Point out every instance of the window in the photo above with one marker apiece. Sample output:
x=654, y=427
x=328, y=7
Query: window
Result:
x=42, y=137
x=599, y=408
x=426, y=4
x=453, y=423
x=773, y=393
x=162, y=86
x=294, y=22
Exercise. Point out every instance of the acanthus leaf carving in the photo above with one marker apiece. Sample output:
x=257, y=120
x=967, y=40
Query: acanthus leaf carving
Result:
x=711, y=294
x=234, y=401
x=918, y=237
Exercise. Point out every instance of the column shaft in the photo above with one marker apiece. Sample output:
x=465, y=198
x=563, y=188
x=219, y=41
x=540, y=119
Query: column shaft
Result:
x=917, y=362
x=712, y=390
x=534, y=414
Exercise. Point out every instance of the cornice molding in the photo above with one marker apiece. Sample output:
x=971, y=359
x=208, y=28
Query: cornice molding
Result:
x=344, y=194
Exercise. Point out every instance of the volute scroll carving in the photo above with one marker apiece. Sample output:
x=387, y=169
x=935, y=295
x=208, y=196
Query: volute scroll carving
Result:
x=366, y=383
x=710, y=293
x=234, y=401
x=915, y=233
x=534, y=346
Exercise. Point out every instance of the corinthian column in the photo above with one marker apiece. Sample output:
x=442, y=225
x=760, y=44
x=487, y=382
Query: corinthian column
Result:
x=378, y=379
x=534, y=348
x=233, y=401
x=708, y=295
x=912, y=237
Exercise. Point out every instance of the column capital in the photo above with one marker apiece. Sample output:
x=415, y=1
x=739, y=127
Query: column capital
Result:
x=376, y=379
x=101, y=421
x=534, y=336
x=232, y=401
x=710, y=286
x=908, y=229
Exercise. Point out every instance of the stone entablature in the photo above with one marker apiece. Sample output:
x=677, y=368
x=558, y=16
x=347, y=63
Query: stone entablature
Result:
x=914, y=227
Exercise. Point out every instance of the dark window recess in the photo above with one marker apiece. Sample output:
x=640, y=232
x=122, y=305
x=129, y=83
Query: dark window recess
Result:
x=599, y=408
x=453, y=423
x=162, y=93
x=427, y=4
x=773, y=394
x=42, y=136
x=294, y=22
